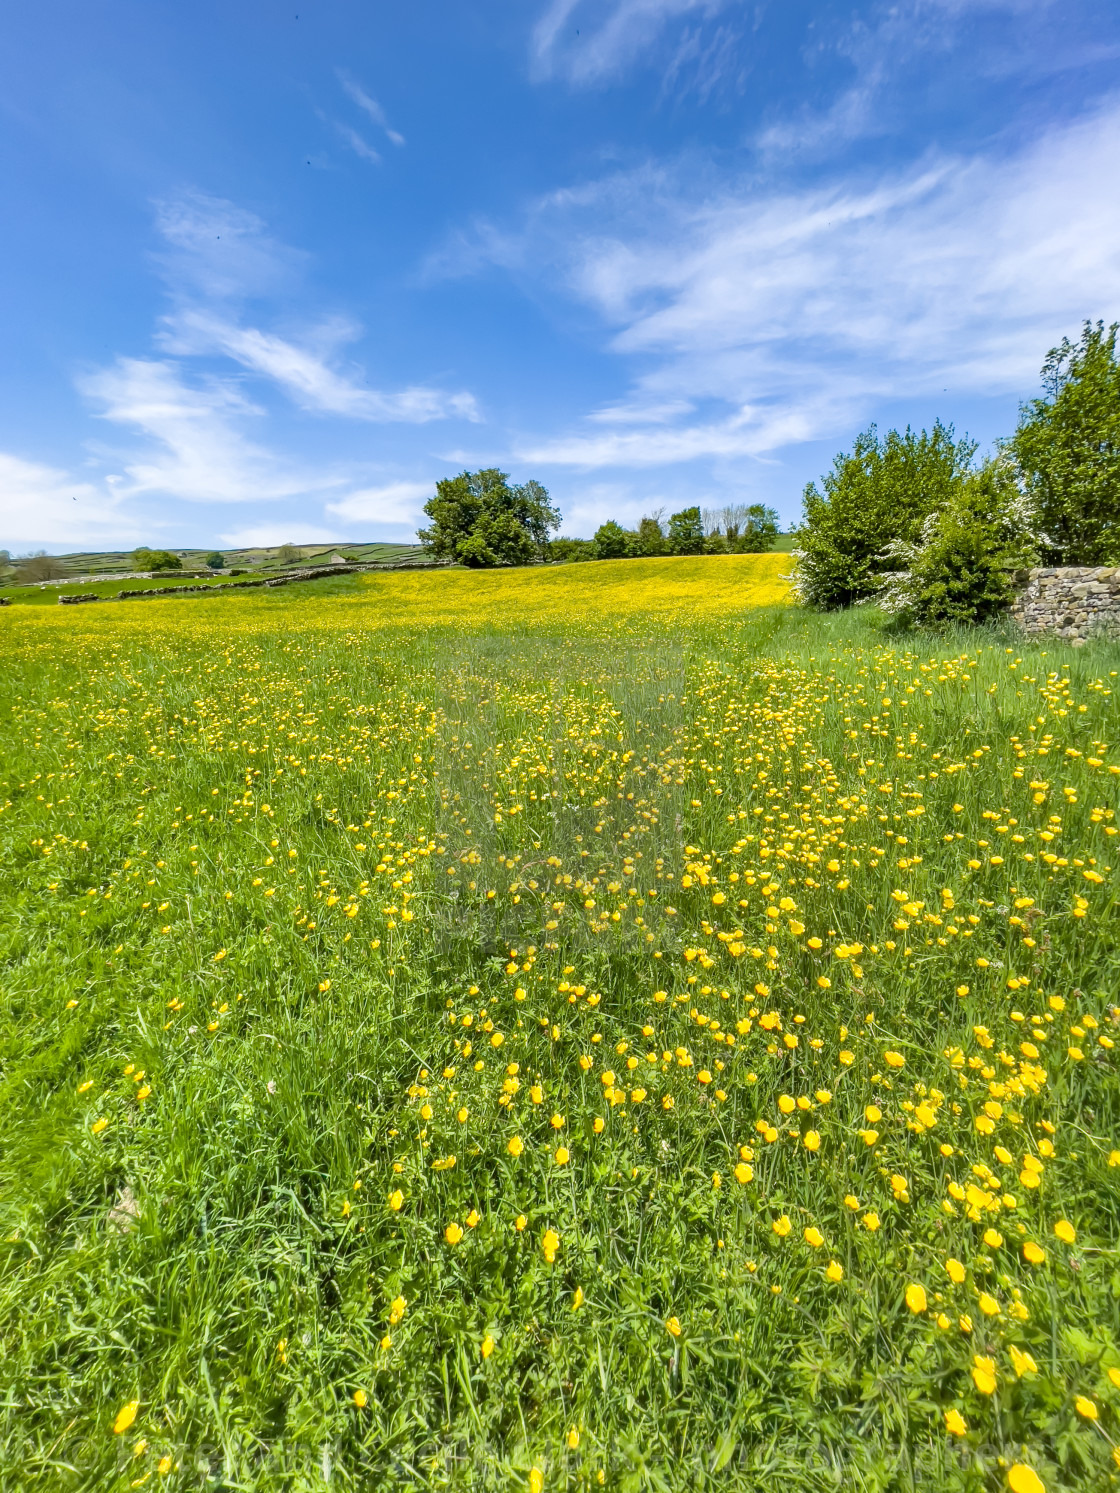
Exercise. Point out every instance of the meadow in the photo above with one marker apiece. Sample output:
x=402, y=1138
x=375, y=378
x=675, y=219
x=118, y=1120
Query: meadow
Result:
x=597, y=1026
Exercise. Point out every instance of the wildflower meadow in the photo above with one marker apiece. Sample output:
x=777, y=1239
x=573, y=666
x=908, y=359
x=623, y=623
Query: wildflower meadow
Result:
x=575, y=1027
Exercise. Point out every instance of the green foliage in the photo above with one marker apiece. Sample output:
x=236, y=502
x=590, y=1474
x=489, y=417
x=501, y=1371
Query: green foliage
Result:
x=148, y=559
x=1067, y=449
x=496, y=538
x=963, y=565
x=877, y=494
x=686, y=533
x=650, y=538
x=758, y=532
x=288, y=554
x=215, y=560
x=479, y=520
x=613, y=542
x=568, y=550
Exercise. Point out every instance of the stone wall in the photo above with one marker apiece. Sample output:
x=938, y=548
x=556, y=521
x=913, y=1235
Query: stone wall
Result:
x=1074, y=602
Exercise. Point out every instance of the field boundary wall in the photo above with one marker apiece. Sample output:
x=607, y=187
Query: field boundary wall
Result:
x=312, y=574
x=1071, y=602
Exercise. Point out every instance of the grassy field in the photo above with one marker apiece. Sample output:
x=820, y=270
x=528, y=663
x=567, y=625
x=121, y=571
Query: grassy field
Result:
x=571, y=1028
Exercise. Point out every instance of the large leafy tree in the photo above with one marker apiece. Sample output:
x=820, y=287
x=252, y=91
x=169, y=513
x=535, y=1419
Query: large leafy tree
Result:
x=686, y=532
x=479, y=519
x=1067, y=450
x=876, y=495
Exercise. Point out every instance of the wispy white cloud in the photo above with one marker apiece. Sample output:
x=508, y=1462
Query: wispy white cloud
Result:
x=218, y=251
x=392, y=503
x=776, y=316
x=370, y=106
x=357, y=144
x=41, y=506
x=209, y=285
x=588, y=43
x=197, y=447
x=304, y=373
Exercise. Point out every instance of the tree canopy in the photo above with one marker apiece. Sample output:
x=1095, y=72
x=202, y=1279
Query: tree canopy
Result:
x=877, y=494
x=479, y=519
x=1067, y=450
x=686, y=532
x=613, y=542
x=148, y=559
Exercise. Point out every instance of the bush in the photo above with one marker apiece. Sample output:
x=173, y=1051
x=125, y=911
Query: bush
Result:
x=215, y=561
x=613, y=542
x=686, y=532
x=568, y=551
x=480, y=520
x=1067, y=451
x=962, y=567
x=288, y=554
x=876, y=495
x=146, y=559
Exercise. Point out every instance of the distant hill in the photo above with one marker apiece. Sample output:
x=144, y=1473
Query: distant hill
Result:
x=260, y=557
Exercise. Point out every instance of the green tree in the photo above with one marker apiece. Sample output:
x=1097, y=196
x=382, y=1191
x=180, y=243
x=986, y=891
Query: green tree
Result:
x=148, y=559
x=963, y=565
x=479, y=519
x=877, y=494
x=215, y=561
x=288, y=554
x=758, y=532
x=650, y=538
x=497, y=538
x=613, y=542
x=568, y=551
x=686, y=532
x=1067, y=450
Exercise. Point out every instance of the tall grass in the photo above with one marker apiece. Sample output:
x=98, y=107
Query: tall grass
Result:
x=277, y=872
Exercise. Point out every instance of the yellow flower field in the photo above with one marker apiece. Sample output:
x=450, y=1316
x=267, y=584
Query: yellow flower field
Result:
x=584, y=1027
x=674, y=589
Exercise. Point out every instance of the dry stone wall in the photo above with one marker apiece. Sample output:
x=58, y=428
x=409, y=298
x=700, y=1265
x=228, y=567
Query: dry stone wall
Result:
x=1073, y=602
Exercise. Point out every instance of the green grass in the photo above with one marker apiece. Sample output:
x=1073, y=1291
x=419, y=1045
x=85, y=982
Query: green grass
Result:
x=225, y=850
x=37, y=596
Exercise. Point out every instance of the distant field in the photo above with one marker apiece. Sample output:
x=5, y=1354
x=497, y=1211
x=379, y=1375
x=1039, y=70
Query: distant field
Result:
x=594, y=1026
x=641, y=588
x=95, y=562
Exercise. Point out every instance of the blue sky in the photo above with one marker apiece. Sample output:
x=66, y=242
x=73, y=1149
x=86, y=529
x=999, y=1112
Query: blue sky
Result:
x=269, y=270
